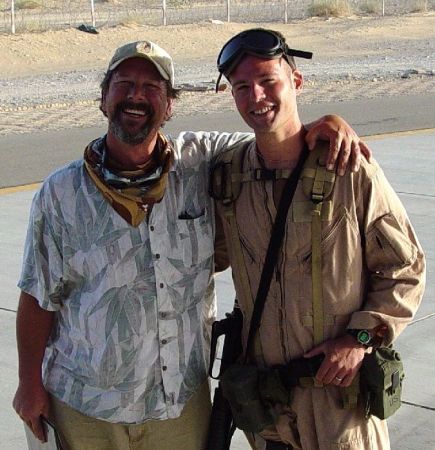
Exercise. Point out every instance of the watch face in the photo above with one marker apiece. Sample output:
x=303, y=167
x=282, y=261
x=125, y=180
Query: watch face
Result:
x=364, y=337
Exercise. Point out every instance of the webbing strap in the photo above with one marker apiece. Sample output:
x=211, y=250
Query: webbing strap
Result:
x=350, y=394
x=319, y=191
x=316, y=273
x=321, y=188
x=260, y=175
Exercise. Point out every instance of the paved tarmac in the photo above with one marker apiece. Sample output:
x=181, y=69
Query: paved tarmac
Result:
x=27, y=158
x=407, y=159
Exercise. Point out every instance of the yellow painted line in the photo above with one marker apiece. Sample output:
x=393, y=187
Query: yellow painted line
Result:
x=23, y=188
x=375, y=137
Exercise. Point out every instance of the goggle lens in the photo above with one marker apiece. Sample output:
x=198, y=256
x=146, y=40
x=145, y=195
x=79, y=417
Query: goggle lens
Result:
x=261, y=42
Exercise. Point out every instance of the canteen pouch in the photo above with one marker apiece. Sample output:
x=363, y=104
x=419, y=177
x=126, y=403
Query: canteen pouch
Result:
x=381, y=382
x=240, y=386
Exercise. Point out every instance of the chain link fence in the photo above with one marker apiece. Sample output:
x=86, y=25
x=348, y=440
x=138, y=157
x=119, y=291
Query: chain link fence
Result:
x=17, y=16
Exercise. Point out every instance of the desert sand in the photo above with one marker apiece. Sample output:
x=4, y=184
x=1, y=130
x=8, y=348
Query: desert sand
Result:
x=50, y=80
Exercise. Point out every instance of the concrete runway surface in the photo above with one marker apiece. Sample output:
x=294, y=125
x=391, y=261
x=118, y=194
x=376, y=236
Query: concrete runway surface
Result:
x=408, y=160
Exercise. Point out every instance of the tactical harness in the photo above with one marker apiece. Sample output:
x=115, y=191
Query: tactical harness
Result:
x=247, y=394
x=226, y=180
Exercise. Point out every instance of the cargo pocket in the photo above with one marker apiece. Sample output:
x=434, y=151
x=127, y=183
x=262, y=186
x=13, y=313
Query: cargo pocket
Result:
x=388, y=246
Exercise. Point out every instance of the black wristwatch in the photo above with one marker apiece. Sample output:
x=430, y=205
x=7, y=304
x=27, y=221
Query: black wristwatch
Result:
x=364, y=337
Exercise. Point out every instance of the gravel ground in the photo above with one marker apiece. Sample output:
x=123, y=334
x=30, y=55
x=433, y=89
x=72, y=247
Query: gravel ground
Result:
x=78, y=86
x=352, y=59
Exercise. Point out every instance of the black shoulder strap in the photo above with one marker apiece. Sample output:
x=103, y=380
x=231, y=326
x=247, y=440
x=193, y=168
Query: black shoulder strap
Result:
x=275, y=242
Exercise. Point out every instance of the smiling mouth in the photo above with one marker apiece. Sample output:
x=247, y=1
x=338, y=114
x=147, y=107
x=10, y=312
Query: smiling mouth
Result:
x=265, y=110
x=134, y=112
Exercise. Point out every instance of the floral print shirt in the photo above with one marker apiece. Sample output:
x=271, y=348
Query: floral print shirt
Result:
x=134, y=305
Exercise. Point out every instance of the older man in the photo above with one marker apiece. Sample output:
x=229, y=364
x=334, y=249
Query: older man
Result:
x=117, y=299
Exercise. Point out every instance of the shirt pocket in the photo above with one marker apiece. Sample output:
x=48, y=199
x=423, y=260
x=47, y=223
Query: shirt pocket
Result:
x=388, y=245
x=196, y=239
x=332, y=233
x=341, y=267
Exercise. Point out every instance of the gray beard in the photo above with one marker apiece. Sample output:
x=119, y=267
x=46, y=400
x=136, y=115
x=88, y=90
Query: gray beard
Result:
x=115, y=125
x=128, y=138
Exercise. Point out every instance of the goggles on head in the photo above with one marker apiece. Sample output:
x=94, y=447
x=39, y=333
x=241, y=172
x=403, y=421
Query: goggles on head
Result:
x=257, y=42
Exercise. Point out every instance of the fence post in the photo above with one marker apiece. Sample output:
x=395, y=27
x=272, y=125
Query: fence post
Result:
x=93, y=13
x=164, y=11
x=383, y=8
x=285, y=11
x=13, y=16
x=228, y=10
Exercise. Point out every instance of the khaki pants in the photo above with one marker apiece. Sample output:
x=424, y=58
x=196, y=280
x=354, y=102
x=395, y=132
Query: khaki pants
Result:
x=187, y=432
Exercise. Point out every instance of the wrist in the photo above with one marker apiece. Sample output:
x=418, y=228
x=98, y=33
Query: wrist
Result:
x=28, y=376
x=363, y=337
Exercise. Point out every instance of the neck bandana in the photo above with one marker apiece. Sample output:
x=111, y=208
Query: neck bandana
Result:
x=132, y=193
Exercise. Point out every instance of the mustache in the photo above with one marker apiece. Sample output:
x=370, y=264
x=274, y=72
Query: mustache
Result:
x=145, y=107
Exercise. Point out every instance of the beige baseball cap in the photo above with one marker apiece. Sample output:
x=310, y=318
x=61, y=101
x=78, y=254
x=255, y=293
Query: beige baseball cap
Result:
x=148, y=50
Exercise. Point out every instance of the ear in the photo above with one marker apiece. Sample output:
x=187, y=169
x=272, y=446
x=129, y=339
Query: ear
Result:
x=103, y=103
x=169, y=108
x=298, y=80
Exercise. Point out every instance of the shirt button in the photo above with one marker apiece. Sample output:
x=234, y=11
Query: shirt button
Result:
x=157, y=255
x=151, y=228
x=164, y=368
x=164, y=341
x=162, y=315
x=161, y=285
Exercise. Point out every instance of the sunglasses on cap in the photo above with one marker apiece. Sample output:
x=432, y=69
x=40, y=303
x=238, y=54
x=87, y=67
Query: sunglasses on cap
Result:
x=257, y=42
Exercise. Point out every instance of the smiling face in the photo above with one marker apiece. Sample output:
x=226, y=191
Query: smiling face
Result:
x=265, y=93
x=136, y=102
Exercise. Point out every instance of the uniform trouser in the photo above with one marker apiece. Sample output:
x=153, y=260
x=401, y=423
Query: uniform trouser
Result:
x=187, y=432
x=316, y=420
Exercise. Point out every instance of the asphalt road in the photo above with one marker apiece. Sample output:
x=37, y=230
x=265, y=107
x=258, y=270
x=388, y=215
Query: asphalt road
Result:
x=29, y=158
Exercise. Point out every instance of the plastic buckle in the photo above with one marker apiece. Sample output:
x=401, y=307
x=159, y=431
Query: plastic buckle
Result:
x=264, y=174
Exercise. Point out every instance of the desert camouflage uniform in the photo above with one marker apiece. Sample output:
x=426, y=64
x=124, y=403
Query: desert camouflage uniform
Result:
x=373, y=273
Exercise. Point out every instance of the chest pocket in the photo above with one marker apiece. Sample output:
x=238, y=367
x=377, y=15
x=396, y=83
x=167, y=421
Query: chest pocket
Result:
x=333, y=229
x=196, y=239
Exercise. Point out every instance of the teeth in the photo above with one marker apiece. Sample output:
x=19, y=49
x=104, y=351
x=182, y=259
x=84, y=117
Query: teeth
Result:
x=263, y=110
x=137, y=112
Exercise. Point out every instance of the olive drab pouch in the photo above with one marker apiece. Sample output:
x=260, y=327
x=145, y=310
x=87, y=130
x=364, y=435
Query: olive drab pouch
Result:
x=240, y=386
x=252, y=394
x=381, y=382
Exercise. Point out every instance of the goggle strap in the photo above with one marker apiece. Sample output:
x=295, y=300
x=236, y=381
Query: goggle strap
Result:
x=298, y=53
x=218, y=81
